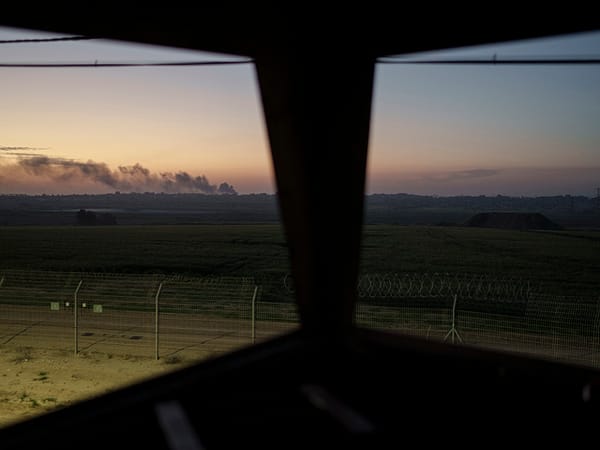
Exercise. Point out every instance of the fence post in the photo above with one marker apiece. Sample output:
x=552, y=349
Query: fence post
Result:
x=156, y=321
x=597, y=329
x=76, y=317
x=453, y=331
x=254, y=314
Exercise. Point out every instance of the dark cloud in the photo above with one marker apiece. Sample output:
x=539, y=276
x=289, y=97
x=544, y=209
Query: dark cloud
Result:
x=134, y=178
x=21, y=152
x=66, y=169
x=4, y=148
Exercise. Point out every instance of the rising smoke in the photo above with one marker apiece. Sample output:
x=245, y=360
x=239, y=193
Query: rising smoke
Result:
x=134, y=178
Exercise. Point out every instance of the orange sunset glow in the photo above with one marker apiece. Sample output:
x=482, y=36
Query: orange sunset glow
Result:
x=435, y=130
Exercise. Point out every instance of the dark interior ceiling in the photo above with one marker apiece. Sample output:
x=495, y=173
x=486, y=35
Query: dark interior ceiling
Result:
x=360, y=30
x=315, y=72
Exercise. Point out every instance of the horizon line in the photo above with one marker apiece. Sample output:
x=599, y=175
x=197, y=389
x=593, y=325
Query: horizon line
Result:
x=275, y=194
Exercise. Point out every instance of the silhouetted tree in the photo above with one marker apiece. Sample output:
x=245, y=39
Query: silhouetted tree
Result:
x=90, y=218
x=86, y=217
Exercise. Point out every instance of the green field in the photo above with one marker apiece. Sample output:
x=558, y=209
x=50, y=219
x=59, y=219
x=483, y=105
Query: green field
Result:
x=569, y=259
x=558, y=318
x=198, y=250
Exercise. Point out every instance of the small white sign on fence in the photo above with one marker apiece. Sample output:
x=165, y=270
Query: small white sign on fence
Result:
x=97, y=308
x=54, y=306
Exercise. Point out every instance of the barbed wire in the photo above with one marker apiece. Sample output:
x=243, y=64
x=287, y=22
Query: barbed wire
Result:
x=434, y=285
x=472, y=286
x=117, y=312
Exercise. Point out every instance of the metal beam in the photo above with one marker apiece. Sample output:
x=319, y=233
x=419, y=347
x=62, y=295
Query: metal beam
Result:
x=317, y=113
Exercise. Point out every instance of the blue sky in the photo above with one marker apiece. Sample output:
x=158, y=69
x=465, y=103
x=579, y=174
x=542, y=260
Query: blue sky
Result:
x=443, y=130
x=517, y=130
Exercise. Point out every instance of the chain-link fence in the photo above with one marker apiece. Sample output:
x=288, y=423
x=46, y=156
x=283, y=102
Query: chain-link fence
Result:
x=158, y=315
x=494, y=312
x=152, y=315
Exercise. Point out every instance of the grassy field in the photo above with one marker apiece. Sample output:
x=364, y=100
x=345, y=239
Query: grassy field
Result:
x=39, y=379
x=199, y=250
x=557, y=258
x=567, y=258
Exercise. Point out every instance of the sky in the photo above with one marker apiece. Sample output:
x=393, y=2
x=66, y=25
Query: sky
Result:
x=436, y=130
x=513, y=130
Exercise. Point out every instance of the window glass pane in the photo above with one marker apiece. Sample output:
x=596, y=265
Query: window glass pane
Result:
x=138, y=219
x=483, y=206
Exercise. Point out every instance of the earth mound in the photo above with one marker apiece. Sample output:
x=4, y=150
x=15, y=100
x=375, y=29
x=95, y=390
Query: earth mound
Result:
x=512, y=221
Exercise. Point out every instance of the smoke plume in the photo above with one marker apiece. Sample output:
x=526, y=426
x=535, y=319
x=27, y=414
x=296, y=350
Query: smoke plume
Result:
x=134, y=178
